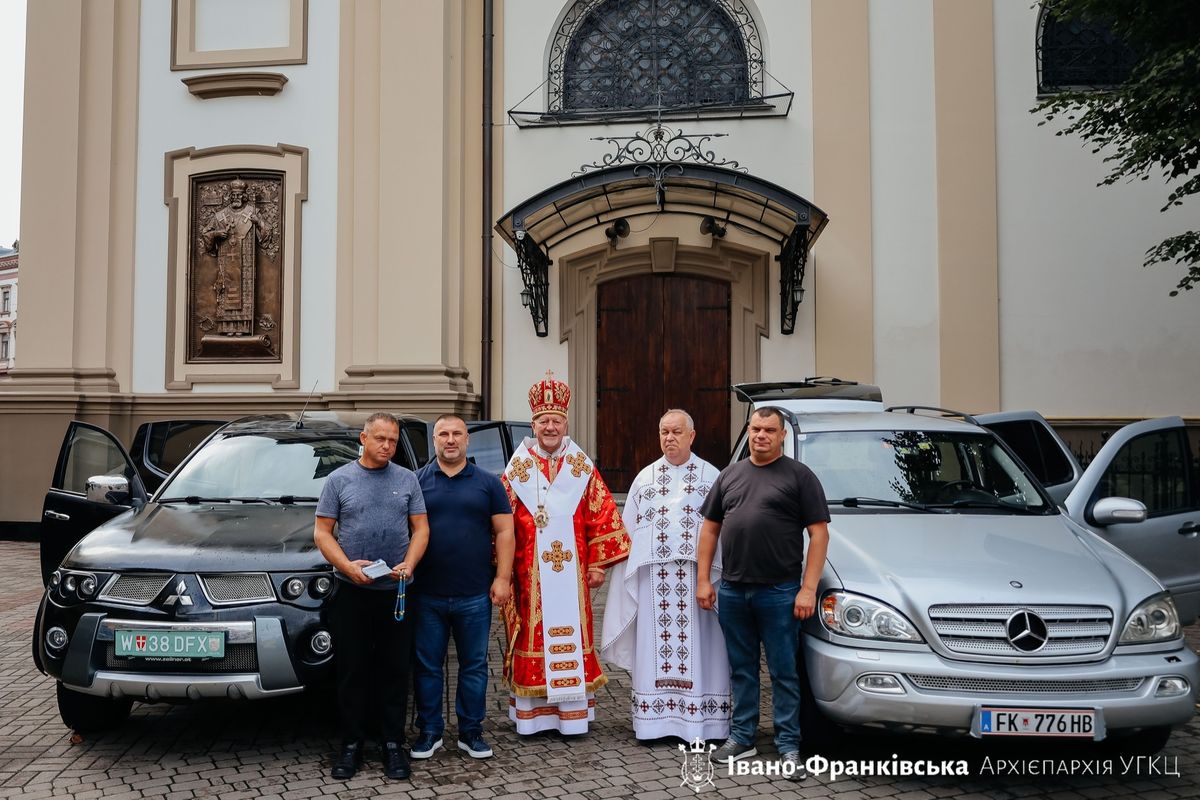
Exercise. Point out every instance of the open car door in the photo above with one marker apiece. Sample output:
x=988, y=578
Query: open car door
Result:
x=76, y=503
x=1154, y=463
x=1039, y=446
x=159, y=447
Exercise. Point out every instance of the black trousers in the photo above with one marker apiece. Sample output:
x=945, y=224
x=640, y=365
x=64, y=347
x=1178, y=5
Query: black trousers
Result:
x=373, y=653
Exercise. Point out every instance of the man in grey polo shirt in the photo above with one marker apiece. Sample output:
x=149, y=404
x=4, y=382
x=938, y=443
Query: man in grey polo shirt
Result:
x=380, y=514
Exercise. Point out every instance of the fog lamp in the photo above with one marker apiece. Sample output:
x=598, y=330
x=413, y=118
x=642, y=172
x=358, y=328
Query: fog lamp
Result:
x=321, y=643
x=880, y=683
x=56, y=638
x=1171, y=687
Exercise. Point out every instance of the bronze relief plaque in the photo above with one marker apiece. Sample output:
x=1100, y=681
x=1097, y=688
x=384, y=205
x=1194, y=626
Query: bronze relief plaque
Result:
x=235, y=274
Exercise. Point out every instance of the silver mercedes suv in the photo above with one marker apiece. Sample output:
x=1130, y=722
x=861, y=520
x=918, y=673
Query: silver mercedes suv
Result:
x=959, y=597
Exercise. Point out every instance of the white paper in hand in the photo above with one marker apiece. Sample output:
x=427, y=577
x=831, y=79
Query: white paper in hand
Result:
x=377, y=569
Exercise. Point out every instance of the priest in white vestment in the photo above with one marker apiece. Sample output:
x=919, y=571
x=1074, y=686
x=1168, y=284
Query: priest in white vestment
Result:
x=653, y=626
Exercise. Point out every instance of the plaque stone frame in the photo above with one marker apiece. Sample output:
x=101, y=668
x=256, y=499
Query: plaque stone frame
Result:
x=233, y=281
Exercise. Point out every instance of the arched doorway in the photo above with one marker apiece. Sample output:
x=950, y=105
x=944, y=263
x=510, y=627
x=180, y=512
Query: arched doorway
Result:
x=662, y=341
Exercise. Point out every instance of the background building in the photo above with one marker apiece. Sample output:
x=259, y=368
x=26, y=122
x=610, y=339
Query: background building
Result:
x=8, y=307
x=394, y=251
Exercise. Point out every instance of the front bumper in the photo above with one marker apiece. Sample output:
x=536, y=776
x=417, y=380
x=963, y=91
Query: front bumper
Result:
x=82, y=668
x=834, y=669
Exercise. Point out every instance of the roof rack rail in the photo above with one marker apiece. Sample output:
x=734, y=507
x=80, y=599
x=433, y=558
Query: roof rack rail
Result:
x=809, y=388
x=945, y=412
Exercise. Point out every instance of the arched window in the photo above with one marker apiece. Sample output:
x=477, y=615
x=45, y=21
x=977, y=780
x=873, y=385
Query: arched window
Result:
x=612, y=55
x=1079, y=54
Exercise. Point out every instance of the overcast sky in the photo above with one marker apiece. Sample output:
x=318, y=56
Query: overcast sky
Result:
x=12, y=91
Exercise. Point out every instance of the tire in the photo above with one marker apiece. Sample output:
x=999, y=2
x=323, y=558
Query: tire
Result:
x=87, y=713
x=816, y=730
x=1145, y=742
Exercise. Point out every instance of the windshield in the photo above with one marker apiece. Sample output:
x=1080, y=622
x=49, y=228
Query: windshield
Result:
x=934, y=469
x=258, y=466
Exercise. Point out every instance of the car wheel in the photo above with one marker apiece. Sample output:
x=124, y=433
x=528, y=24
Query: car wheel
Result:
x=87, y=713
x=816, y=729
x=1145, y=742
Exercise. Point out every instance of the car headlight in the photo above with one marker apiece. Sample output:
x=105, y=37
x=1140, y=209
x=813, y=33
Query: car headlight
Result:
x=1155, y=620
x=293, y=588
x=322, y=585
x=849, y=614
x=68, y=587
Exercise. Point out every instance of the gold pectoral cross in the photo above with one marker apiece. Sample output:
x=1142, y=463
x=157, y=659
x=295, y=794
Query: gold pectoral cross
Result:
x=556, y=556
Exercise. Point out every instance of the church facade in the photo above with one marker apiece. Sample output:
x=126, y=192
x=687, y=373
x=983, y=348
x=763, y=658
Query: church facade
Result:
x=422, y=206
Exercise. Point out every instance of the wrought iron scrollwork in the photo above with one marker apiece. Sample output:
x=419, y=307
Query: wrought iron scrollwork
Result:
x=793, y=258
x=657, y=152
x=535, y=275
x=660, y=144
x=627, y=54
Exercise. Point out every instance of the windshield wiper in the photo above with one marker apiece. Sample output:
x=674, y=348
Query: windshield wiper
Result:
x=981, y=503
x=193, y=500
x=289, y=499
x=861, y=502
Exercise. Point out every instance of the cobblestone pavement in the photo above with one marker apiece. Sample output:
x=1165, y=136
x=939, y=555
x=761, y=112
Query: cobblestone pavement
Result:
x=280, y=749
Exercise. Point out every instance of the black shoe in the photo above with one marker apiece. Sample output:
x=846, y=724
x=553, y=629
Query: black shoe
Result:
x=347, y=762
x=395, y=761
x=474, y=746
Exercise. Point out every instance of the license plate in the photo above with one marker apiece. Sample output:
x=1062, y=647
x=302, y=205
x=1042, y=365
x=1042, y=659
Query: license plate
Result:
x=1037, y=722
x=170, y=644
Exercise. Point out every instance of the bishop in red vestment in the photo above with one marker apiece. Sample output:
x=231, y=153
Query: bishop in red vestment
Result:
x=549, y=481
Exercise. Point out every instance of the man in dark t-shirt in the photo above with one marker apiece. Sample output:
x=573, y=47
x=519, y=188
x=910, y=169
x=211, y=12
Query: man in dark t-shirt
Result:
x=457, y=586
x=758, y=510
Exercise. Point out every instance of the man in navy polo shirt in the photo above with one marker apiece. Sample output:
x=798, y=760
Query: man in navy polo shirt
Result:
x=457, y=586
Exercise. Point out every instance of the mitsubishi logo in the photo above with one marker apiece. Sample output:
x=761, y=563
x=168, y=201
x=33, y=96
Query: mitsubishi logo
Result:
x=1026, y=631
x=180, y=595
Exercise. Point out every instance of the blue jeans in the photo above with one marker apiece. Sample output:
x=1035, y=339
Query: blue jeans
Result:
x=761, y=613
x=434, y=619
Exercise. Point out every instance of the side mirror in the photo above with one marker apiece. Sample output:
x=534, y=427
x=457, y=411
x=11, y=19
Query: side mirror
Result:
x=1114, y=510
x=108, y=489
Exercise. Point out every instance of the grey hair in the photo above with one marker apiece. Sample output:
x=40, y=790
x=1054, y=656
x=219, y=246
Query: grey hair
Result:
x=380, y=416
x=691, y=424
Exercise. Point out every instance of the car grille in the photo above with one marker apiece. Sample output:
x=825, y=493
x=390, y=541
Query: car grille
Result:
x=980, y=629
x=238, y=658
x=939, y=683
x=237, y=587
x=136, y=588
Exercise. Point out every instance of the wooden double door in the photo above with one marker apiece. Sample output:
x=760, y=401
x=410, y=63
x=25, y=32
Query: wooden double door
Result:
x=662, y=342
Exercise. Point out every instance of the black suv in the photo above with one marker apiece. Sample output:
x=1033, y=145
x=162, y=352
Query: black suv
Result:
x=213, y=587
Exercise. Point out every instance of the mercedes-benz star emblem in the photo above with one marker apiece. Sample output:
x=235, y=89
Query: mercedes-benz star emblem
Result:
x=1026, y=631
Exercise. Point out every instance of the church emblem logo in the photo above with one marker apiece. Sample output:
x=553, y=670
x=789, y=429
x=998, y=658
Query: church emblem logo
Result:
x=697, y=769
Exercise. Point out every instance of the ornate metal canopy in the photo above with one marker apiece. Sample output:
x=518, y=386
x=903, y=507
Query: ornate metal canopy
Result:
x=661, y=170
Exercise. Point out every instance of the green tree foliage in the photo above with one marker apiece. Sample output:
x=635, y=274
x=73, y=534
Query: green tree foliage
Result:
x=1149, y=124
